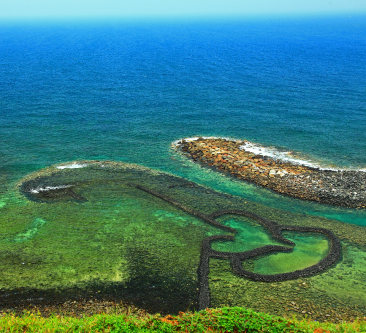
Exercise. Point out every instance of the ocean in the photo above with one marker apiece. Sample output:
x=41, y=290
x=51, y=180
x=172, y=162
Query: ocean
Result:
x=124, y=91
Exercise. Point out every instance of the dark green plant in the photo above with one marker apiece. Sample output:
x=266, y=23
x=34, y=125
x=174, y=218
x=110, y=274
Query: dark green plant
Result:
x=223, y=320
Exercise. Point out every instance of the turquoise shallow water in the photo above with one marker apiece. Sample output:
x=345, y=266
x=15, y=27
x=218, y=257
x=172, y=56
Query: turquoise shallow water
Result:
x=124, y=91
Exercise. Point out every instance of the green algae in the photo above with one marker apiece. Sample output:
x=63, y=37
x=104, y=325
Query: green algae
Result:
x=150, y=250
x=345, y=282
x=94, y=242
x=118, y=235
x=308, y=251
x=30, y=232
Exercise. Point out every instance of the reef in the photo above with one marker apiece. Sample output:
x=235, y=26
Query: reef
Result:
x=333, y=187
x=55, y=185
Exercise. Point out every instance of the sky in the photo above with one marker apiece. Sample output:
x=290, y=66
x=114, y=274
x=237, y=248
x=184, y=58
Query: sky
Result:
x=28, y=9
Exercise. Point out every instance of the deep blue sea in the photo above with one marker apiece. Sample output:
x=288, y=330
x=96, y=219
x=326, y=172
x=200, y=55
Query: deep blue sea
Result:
x=125, y=90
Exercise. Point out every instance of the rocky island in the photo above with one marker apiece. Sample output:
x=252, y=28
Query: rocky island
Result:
x=333, y=187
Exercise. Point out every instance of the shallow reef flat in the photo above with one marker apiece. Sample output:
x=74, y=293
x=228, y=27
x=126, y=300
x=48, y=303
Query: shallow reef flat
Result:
x=333, y=187
x=104, y=231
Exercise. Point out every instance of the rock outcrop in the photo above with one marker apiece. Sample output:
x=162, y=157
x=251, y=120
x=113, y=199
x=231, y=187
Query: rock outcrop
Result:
x=342, y=188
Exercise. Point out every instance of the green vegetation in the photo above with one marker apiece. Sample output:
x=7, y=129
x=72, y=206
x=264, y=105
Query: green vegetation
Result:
x=211, y=320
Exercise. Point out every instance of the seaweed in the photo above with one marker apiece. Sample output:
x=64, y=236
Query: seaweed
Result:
x=54, y=187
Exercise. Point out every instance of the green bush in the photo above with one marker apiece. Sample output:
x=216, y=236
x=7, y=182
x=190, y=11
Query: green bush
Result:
x=234, y=319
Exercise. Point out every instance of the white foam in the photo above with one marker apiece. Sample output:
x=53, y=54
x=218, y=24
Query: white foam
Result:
x=287, y=156
x=72, y=166
x=179, y=142
x=275, y=154
x=48, y=188
x=272, y=152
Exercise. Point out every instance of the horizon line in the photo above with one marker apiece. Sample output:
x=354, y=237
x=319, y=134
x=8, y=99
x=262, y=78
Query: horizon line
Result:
x=169, y=17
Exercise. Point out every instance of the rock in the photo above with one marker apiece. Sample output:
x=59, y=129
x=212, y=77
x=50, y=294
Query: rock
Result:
x=346, y=188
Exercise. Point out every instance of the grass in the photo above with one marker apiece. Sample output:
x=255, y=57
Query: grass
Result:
x=211, y=320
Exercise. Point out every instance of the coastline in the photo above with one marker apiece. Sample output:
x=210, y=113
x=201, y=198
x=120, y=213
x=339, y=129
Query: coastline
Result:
x=345, y=188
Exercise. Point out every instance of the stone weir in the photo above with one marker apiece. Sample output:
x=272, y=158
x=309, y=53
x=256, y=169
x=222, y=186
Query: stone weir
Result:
x=341, y=188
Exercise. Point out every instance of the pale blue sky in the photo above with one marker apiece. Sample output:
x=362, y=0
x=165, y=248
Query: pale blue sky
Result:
x=169, y=8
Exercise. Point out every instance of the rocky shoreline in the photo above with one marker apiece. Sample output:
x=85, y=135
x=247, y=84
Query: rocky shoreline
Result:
x=345, y=188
